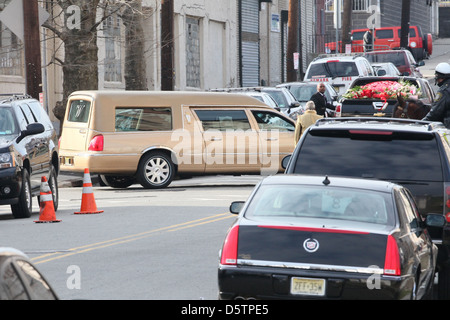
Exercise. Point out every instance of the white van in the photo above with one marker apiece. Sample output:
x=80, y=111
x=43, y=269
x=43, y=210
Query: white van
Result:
x=338, y=70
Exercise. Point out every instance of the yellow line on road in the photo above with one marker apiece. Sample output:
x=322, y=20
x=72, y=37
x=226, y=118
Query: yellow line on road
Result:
x=108, y=243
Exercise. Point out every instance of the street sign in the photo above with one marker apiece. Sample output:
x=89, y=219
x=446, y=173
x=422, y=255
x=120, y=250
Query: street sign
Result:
x=12, y=17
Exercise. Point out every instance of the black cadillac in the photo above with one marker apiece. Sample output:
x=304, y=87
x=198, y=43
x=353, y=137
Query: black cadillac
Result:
x=303, y=237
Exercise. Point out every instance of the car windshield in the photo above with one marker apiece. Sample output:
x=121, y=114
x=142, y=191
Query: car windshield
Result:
x=306, y=201
x=279, y=97
x=303, y=93
x=397, y=58
x=7, y=123
x=332, y=70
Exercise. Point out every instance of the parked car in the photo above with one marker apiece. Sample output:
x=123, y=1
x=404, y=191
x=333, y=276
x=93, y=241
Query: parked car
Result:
x=383, y=69
x=349, y=107
x=329, y=238
x=402, y=59
x=302, y=91
x=283, y=97
x=28, y=151
x=150, y=137
x=264, y=97
x=20, y=280
x=338, y=70
x=413, y=153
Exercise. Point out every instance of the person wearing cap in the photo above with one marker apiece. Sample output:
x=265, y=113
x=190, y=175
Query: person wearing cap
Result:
x=306, y=120
x=440, y=109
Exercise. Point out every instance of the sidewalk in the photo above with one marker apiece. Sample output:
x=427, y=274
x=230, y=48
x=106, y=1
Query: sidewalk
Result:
x=441, y=53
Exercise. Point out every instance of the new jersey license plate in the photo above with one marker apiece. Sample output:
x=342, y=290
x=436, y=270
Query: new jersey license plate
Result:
x=308, y=286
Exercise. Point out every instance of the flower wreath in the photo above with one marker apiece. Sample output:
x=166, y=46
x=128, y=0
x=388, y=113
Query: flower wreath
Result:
x=384, y=90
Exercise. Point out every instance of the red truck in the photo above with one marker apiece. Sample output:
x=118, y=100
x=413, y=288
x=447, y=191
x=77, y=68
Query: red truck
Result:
x=388, y=38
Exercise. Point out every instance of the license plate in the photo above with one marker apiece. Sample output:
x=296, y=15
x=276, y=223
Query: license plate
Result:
x=308, y=286
x=68, y=161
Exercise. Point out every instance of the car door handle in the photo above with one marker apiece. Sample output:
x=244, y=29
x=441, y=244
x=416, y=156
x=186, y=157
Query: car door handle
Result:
x=82, y=130
x=271, y=139
x=215, y=139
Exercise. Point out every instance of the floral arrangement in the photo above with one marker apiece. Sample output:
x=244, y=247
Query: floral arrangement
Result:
x=383, y=90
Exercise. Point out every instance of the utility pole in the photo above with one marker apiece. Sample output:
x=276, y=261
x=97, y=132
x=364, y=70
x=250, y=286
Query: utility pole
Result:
x=292, y=40
x=404, y=34
x=32, y=48
x=346, y=23
x=167, y=72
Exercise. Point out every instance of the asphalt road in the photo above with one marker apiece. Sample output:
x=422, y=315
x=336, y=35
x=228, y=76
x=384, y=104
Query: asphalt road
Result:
x=147, y=244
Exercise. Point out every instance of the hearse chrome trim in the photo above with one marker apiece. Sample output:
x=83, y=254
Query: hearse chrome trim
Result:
x=304, y=266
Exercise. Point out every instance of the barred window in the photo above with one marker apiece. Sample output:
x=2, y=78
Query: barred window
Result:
x=357, y=5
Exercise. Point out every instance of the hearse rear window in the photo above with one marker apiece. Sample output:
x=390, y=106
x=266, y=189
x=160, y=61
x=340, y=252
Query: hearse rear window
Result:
x=143, y=119
x=79, y=111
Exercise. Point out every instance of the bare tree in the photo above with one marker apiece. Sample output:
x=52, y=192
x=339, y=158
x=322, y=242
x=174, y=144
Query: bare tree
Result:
x=346, y=23
x=135, y=66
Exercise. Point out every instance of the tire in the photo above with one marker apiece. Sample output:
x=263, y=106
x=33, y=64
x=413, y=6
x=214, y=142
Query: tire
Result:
x=117, y=181
x=53, y=184
x=23, y=209
x=155, y=170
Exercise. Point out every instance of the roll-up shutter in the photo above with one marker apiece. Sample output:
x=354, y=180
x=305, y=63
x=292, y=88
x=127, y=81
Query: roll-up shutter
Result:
x=249, y=43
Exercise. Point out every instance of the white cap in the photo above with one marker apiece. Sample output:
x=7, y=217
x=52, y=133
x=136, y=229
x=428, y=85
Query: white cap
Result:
x=443, y=68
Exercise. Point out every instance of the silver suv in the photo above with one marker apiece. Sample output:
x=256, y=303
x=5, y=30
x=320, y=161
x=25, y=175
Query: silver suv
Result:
x=28, y=151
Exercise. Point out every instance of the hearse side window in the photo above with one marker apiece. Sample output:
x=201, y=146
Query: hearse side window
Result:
x=143, y=119
x=79, y=111
x=271, y=121
x=223, y=120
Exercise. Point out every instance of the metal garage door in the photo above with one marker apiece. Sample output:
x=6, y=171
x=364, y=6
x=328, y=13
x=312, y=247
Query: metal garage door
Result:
x=249, y=43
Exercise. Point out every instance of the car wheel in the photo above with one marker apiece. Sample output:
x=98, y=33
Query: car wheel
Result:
x=117, y=181
x=53, y=184
x=23, y=208
x=155, y=170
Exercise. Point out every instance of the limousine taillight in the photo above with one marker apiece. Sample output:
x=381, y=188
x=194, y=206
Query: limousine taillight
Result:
x=96, y=143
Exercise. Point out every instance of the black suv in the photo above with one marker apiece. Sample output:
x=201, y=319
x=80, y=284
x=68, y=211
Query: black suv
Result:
x=28, y=151
x=413, y=153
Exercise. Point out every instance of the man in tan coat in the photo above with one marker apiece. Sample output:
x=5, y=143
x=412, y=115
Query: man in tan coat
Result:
x=305, y=120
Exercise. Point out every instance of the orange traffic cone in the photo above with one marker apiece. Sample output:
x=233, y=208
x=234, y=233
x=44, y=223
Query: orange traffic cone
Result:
x=88, y=205
x=47, y=209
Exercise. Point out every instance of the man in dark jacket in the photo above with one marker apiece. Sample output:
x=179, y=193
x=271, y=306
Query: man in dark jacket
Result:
x=320, y=100
x=440, y=109
x=368, y=41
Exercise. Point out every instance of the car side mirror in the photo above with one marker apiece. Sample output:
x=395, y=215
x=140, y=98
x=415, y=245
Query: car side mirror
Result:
x=236, y=206
x=381, y=72
x=435, y=220
x=32, y=128
x=285, y=161
x=421, y=63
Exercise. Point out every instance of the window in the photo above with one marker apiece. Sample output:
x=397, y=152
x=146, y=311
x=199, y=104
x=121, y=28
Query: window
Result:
x=357, y=5
x=271, y=121
x=13, y=288
x=371, y=156
x=38, y=286
x=79, y=111
x=143, y=119
x=384, y=34
x=113, y=50
x=7, y=123
x=223, y=120
x=298, y=201
x=193, y=52
x=332, y=69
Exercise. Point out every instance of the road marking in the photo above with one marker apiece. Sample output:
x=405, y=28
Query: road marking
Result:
x=134, y=237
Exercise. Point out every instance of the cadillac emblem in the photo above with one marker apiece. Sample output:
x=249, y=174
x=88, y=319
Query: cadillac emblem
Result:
x=311, y=245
